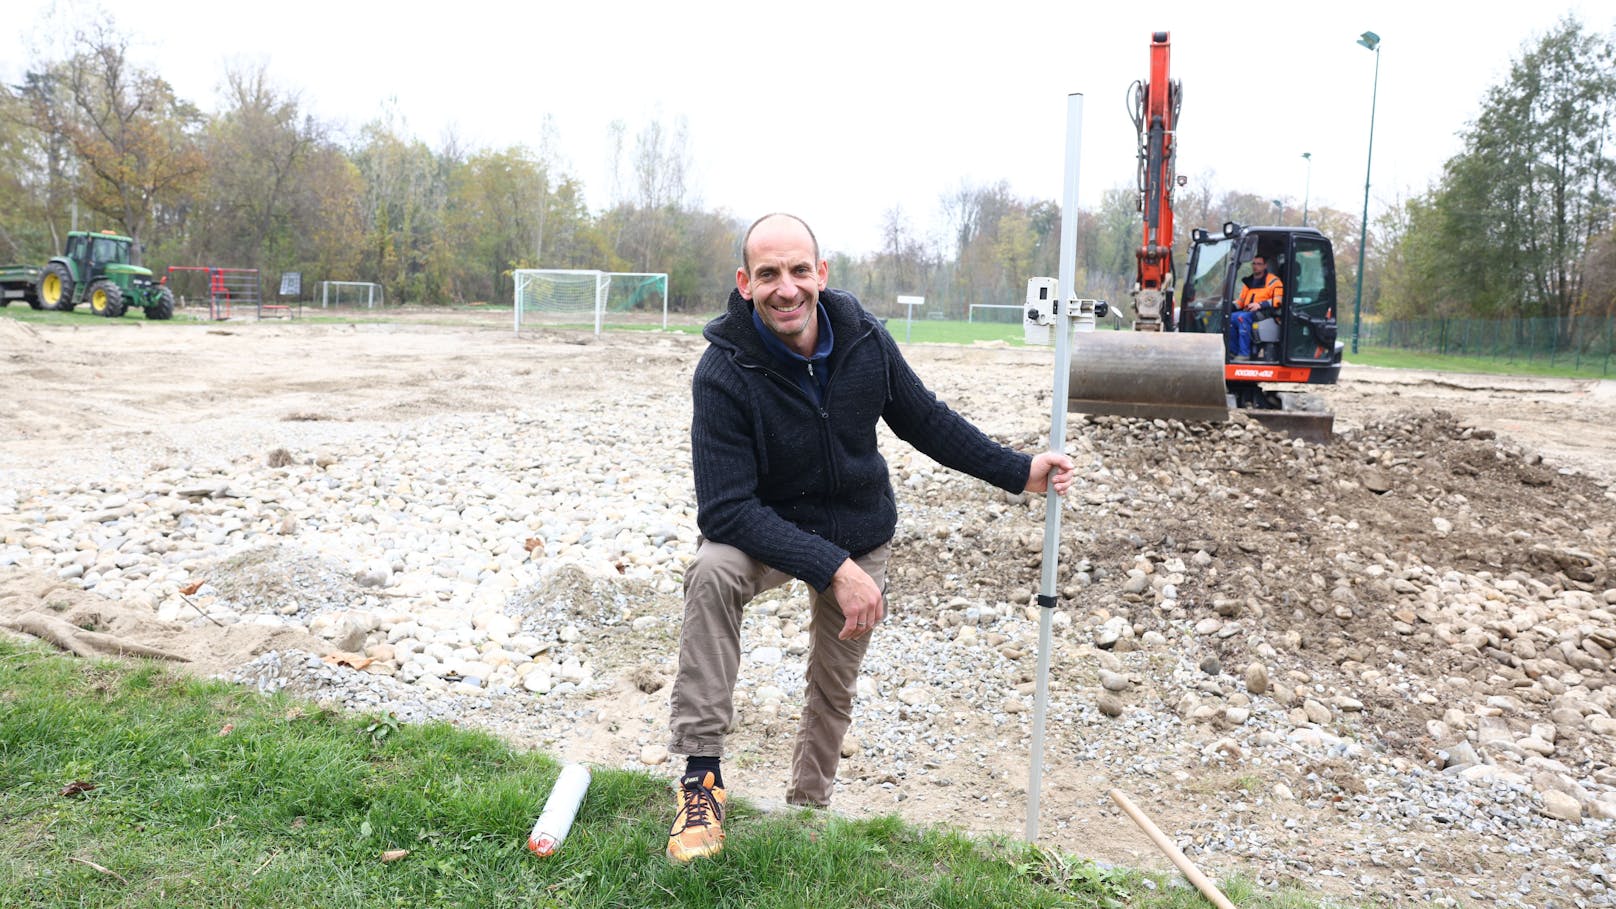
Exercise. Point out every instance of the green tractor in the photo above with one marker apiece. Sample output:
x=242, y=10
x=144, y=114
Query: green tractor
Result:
x=93, y=269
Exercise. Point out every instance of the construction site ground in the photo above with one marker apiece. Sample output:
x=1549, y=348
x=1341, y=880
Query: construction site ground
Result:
x=1293, y=657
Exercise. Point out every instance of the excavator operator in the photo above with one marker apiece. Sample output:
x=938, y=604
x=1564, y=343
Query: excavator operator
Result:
x=1263, y=295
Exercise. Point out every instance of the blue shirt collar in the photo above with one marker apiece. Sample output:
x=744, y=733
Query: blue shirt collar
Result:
x=777, y=347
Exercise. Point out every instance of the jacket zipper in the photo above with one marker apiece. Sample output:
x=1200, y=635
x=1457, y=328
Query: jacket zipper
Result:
x=824, y=417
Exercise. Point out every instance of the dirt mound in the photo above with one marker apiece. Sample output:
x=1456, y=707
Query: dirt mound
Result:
x=279, y=580
x=16, y=335
x=1331, y=558
x=199, y=647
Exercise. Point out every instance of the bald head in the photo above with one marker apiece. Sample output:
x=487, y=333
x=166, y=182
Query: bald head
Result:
x=782, y=278
x=775, y=221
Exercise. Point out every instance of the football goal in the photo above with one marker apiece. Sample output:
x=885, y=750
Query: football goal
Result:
x=554, y=296
x=354, y=294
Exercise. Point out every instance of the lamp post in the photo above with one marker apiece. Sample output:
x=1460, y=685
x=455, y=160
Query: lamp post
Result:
x=1308, y=187
x=1279, y=211
x=1371, y=41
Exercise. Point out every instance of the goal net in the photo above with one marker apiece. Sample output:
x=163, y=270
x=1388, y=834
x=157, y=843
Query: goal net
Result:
x=580, y=297
x=351, y=294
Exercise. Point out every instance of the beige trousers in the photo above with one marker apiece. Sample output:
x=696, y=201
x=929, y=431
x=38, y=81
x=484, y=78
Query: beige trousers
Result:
x=718, y=585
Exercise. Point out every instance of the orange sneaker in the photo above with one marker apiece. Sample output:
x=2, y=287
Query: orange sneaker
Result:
x=698, y=828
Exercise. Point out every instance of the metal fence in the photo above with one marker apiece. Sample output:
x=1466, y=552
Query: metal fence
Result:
x=1573, y=343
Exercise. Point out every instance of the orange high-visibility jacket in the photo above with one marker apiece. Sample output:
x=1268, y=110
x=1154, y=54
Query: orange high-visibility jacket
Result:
x=1270, y=291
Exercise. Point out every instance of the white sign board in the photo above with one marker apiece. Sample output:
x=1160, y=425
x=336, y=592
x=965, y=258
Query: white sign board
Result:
x=909, y=314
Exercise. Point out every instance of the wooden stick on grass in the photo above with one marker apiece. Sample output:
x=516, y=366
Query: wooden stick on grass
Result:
x=266, y=862
x=101, y=868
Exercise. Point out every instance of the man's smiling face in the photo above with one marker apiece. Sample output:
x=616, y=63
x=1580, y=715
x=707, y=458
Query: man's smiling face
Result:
x=783, y=279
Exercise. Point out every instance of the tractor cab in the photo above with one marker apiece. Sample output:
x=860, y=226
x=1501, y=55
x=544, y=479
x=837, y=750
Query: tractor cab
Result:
x=99, y=255
x=109, y=250
x=1303, y=332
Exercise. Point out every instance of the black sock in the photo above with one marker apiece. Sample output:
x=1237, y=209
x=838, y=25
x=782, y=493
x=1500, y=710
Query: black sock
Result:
x=696, y=766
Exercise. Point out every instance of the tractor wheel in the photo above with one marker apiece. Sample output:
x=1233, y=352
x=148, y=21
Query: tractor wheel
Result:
x=56, y=288
x=163, y=306
x=106, y=299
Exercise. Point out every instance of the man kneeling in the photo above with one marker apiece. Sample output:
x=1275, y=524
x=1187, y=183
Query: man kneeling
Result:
x=790, y=484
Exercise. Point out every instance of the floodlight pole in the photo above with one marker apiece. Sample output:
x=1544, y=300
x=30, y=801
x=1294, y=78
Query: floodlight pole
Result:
x=1371, y=41
x=1065, y=296
x=1307, y=190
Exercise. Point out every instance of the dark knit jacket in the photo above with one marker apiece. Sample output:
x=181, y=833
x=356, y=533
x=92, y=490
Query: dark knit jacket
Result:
x=801, y=487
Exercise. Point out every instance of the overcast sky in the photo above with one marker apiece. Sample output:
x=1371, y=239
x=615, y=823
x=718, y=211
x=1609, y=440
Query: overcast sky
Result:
x=841, y=111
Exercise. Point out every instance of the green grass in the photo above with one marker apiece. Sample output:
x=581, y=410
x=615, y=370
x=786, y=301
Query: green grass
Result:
x=209, y=795
x=685, y=329
x=82, y=315
x=951, y=331
x=22, y=312
x=1562, y=365
x=921, y=331
x=930, y=331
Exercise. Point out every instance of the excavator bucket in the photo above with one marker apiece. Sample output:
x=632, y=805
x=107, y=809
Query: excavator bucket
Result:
x=1165, y=375
x=1317, y=427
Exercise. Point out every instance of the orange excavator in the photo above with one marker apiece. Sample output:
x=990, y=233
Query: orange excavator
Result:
x=1176, y=363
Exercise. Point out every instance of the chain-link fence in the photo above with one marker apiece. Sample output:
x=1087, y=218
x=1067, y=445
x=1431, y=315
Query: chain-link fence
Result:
x=1573, y=343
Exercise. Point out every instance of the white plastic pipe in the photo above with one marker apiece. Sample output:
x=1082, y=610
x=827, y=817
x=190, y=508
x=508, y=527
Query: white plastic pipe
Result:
x=551, y=829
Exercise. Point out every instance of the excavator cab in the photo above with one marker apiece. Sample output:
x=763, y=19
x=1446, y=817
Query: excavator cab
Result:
x=1303, y=330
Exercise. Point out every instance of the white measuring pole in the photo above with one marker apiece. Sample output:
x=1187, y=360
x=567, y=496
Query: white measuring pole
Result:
x=1065, y=296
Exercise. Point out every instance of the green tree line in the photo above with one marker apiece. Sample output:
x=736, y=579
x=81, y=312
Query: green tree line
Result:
x=260, y=183
x=263, y=184
x=1519, y=223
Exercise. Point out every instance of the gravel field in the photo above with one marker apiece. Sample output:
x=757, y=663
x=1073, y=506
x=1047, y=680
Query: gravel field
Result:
x=1380, y=668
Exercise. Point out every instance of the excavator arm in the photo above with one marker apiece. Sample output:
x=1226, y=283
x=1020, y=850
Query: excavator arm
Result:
x=1156, y=104
x=1152, y=371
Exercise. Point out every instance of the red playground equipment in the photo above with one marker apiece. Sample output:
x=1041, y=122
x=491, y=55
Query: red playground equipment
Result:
x=226, y=288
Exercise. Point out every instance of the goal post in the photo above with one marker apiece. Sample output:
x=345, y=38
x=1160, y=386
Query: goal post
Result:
x=996, y=312
x=562, y=295
x=350, y=293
